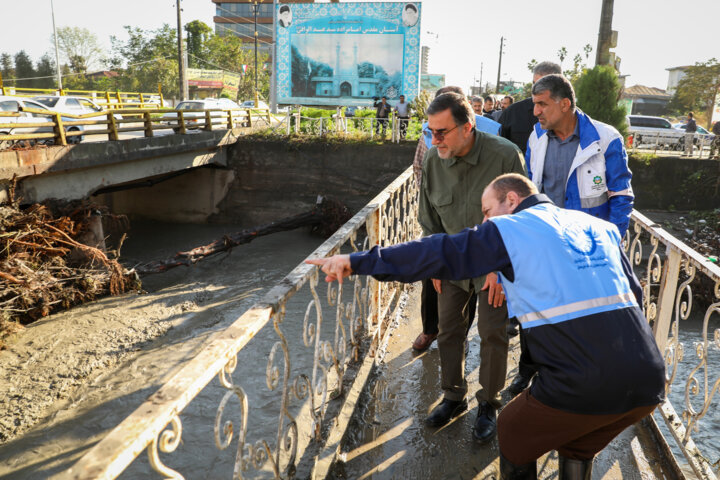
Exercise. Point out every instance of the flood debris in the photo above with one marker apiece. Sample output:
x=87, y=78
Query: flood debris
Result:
x=51, y=258
x=326, y=217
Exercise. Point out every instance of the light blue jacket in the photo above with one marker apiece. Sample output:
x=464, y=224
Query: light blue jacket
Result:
x=599, y=179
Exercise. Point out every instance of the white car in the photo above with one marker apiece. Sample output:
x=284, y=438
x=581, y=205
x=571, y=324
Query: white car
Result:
x=192, y=119
x=700, y=135
x=16, y=104
x=71, y=104
x=647, y=130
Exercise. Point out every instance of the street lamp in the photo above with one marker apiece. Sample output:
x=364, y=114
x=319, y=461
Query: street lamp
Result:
x=57, y=54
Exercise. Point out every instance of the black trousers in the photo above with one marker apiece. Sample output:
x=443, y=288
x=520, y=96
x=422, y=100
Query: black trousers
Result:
x=429, y=308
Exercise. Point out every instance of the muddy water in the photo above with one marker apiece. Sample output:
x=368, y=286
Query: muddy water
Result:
x=100, y=361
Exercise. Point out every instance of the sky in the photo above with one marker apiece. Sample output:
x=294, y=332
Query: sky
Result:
x=463, y=35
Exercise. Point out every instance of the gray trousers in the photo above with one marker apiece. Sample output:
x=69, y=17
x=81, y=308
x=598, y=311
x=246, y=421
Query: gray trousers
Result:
x=453, y=323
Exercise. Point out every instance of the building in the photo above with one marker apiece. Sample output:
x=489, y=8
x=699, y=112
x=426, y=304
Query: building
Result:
x=237, y=17
x=675, y=74
x=642, y=100
x=346, y=80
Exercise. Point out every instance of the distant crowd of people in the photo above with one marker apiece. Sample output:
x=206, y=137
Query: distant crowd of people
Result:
x=526, y=201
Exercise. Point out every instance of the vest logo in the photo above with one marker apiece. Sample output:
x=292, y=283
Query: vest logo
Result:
x=597, y=180
x=580, y=238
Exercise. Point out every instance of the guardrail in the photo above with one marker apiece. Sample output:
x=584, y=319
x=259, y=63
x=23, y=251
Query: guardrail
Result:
x=638, y=141
x=62, y=128
x=369, y=127
x=107, y=99
x=670, y=270
x=314, y=370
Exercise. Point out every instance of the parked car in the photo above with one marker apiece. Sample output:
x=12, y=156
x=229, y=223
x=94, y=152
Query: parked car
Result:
x=71, y=104
x=16, y=104
x=251, y=104
x=651, y=130
x=192, y=119
x=700, y=134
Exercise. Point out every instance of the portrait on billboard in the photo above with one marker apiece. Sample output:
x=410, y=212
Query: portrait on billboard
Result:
x=349, y=53
x=410, y=15
x=285, y=16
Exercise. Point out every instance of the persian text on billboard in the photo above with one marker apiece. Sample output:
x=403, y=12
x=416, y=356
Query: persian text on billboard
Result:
x=432, y=81
x=347, y=53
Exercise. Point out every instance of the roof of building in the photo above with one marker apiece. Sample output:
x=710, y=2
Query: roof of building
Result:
x=643, y=91
x=684, y=67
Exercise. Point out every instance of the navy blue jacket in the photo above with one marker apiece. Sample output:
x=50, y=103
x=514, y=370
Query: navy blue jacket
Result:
x=601, y=363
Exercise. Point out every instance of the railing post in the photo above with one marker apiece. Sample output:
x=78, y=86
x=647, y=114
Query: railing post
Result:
x=297, y=122
x=374, y=238
x=112, y=127
x=249, y=114
x=148, y=124
x=107, y=100
x=181, y=123
x=208, y=121
x=59, y=130
x=230, y=120
x=667, y=297
x=289, y=120
x=142, y=101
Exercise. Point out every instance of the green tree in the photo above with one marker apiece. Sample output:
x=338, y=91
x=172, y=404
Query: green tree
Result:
x=45, y=68
x=80, y=48
x=697, y=90
x=229, y=53
x=198, y=34
x=24, y=69
x=7, y=68
x=146, y=59
x=597, y=91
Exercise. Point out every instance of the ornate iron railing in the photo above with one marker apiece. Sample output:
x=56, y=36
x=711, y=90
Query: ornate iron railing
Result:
x=669, y=270
x=339, y=341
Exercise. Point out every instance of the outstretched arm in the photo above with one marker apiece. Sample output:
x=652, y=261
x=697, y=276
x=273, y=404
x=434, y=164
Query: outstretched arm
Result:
x=336, y=267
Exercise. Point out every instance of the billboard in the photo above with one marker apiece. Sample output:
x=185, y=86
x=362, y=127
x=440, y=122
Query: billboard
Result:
x=347, y=53
x=226, y=82
x=432, y=81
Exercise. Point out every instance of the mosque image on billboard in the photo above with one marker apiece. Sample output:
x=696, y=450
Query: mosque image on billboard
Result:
x=362, y=66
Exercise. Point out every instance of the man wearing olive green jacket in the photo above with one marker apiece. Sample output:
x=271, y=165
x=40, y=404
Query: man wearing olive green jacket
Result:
x=456, y=171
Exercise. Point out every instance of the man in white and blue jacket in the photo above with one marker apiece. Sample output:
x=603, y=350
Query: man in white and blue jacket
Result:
x=578, y=162
x=599, y=368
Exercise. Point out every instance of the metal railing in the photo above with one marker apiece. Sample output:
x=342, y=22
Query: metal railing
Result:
x=62, y=128
x=340, y=340
x=652, y=142
x=669, y=271
x=366, y=127
x=107, y=99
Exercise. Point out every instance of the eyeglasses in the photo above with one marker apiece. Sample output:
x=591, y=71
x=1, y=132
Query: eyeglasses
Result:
x=439, y=134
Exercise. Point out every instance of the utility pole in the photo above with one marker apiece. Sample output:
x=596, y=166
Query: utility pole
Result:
x=255, y=11
x=57, y=52
x=181, y=56
x=602, y=52
x=481, y=72
x=273, y=72
x=502, y=44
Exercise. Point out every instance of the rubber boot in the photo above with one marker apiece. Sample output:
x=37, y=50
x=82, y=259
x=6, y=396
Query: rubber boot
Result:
x=571, y=469
x=510, y=471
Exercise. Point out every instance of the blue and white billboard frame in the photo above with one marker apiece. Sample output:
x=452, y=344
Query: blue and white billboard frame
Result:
x=347, y=53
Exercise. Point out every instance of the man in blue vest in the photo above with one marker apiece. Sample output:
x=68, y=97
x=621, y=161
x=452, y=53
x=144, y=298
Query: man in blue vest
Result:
x=599, y=368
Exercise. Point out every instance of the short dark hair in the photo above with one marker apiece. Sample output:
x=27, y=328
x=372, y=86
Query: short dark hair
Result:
x=410, y=6
x=460, y=108
x=489, y=99
x=449, y=89
x=546, y=68
x=284, y=8
x=512, y=182
x=509, y=97
x=558, y=86
x=690, y=114
x=383, y=97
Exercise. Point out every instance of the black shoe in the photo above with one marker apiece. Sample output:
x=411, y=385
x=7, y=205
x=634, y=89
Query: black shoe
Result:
x=485, y=423
x=519, y=383
x=446, y=411
x=570, y=469
x=512, y=330
x=510, y=471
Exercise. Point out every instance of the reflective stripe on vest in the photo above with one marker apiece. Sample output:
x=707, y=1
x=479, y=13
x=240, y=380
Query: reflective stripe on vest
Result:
x=577, y=309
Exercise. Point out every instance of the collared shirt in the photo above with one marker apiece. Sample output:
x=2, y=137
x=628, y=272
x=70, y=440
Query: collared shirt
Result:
x=452, y=188
x=558, y=159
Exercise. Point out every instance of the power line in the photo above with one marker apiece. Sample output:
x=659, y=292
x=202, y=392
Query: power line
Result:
x=242, y=34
